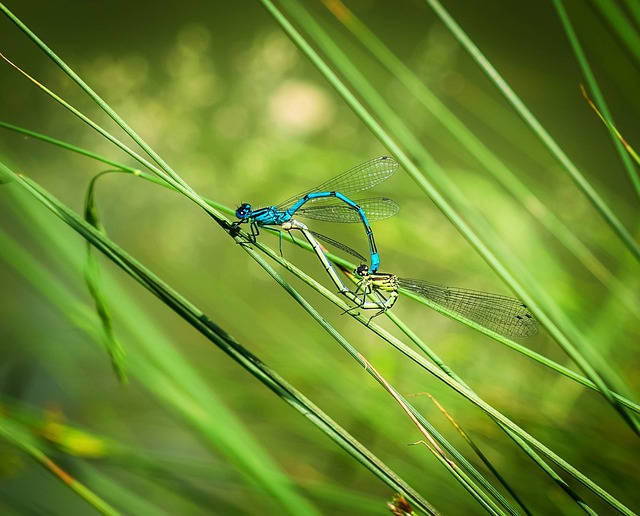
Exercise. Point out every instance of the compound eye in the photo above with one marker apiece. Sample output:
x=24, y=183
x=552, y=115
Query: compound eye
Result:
x=362, y=270
x=243, y=211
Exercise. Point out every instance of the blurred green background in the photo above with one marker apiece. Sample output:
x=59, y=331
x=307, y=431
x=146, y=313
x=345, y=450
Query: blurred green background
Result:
x=223, y=96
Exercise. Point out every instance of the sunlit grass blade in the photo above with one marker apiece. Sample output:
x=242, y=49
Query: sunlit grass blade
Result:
x=17, y=436
x=458, y=210
x=179, y=182
x=483, y=500
x=576, y=175
x=222, y=339
x=612, y=128
x=344, y=264
x=592, y=83
x=483, y=154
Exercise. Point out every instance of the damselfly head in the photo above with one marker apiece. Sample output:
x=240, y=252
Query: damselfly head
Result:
x=244, y=211
x=362, y=270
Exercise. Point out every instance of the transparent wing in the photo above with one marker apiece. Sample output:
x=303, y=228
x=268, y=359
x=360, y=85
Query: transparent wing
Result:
x=357, y=179
x=376, y=208
x=338, y=245
x=504, y=315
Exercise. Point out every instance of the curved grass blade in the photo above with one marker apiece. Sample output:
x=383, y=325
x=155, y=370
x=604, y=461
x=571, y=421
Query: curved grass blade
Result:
x=92, y=278
x=223, y=340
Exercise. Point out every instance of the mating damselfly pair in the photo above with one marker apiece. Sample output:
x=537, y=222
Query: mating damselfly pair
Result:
x=331, y=202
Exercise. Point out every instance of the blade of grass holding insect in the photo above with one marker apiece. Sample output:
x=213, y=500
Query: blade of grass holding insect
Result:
x=219, y=337
x=620, y=25
x=522, y=438
x=490, y=161
x=485, y=502
x=359, y=109
x=89, y=154
x=207, y=327
x=574, y=173
x=569, y=332
x=12, y=433
x=347, y=267
x=594, y=88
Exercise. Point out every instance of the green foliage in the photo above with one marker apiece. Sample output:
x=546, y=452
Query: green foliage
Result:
x=193, y=432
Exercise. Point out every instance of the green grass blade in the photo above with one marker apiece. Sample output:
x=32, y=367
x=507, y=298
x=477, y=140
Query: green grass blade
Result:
x=621, y=26
x=565, y=336
x=340, y=261
x=180, y=184
x=14, y=434
x=594, y=88
x=581, y=182
x=92, y=278
x=223, y=340
x=165, y=373
x=487, y=158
